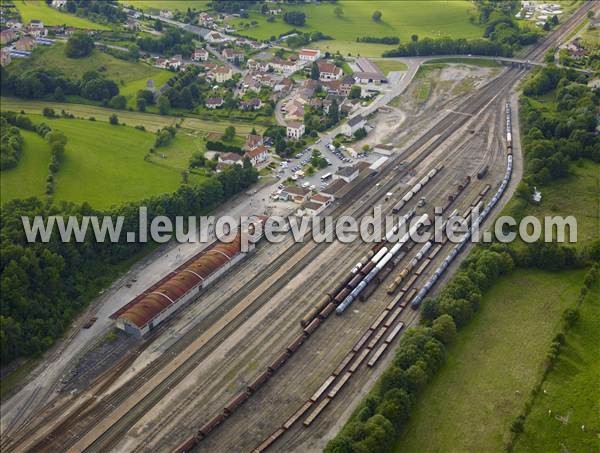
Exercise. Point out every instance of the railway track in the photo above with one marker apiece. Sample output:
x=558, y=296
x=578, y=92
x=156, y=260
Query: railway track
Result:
x=442, y=130
x=448, y=124
x=89, y=419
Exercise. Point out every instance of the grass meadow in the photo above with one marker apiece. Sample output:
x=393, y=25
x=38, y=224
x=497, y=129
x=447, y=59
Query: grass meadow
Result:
x=401, y=19
x=38, y=9
x=387, y=66
x=496, y=360
x=150, y=121
x=28, y=178
x=130, y=76
x=103, y=164
x=181, y=5
x=571, y=396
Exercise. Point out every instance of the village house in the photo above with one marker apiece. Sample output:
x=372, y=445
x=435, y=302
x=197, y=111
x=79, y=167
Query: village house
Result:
x=296, y=194
x=347, y=174
x=36, y=32
x=259, y=66
x=353, y=124
x=131, y=24
x=8, y=36
x=165, y=13
x=253, y=141
x=329, y=71
x=283, y=86
x=346, y=85
x=59, y=3
x=323, y=199
x=165, y=63
x=295, y=130
x=575, y=49
x=220, y=74
x=35, y=23
x=309, y=55
x=283, y=66
x=214, y=103
x=232, y=55
x=200, y=54
x=214, y=37
x=26, y=43
x=310, y=208
x=230, y=159
x=205, y=19
x=5, y=57
x=258, y=155
x=251, y=104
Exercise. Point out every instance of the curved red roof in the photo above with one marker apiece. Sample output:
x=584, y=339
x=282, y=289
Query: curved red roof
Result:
x=173, y=288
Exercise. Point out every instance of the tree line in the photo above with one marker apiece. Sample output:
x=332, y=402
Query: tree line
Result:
x=45, y=285
x=558, y=132
x=449, y=46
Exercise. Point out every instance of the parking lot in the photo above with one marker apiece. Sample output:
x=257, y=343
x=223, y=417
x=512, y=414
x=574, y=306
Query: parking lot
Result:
x=294, y=166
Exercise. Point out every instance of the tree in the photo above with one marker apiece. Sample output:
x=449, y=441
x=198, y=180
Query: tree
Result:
x=118, y=102
x=158, y=25
x=314, y=71
x=414, y=38
x=294, y=18
x=355, y=92
x=164, y=105
x=338, y=11
x=360, y=133
x=376, y=16
x=59, y=94
x=229, y=134
x=114, y=119
x=444, y=329
x=555, y=20
x=79, y=45
x=140, y=104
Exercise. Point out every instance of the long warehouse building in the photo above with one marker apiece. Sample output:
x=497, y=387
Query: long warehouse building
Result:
x=161, y=300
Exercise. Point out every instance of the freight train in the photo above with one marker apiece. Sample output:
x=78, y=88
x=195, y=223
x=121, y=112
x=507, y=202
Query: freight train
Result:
x=416, y=188
x=416, y=302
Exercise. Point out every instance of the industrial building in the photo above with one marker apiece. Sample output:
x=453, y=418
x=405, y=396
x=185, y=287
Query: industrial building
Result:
x=147, y=310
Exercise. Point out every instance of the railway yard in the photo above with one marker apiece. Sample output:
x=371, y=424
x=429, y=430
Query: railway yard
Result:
x=252, y=364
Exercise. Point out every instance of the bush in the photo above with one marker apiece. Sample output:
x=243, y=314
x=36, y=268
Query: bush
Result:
x=79, y=45
x=114, y=119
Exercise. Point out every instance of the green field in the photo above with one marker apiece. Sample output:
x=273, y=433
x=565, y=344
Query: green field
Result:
x=387, y=66
x=150, y=121
x=571, y=392
x=424, y=18
x=181, y=5
x=28, y=178
x=103, y=164
x=482, y=62
x=38, y=9
x=496, y=360
x=130, y=76
x=578, y=195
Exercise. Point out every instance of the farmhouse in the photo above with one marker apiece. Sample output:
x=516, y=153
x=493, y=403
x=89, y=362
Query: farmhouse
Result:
x=166, y=63
x=329, y=71
x=295, y=130
x=59, y=3
x=214, y=103
x=353, y=124
x=258, y=155
x=309, y=55
x=200, y=55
